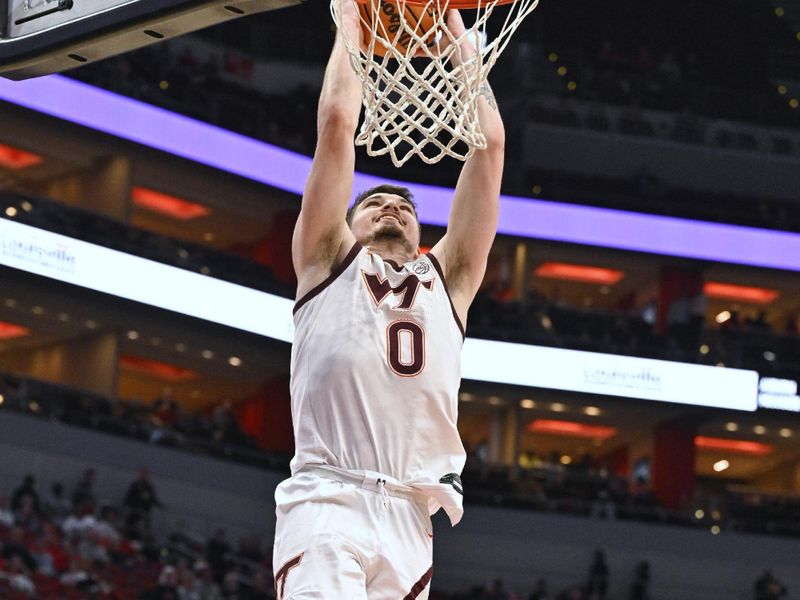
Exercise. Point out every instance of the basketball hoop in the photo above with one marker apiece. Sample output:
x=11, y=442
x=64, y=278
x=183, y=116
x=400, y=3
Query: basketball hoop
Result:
x=420, y=93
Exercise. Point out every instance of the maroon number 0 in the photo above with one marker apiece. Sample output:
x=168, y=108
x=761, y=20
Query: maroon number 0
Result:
x=405, y=368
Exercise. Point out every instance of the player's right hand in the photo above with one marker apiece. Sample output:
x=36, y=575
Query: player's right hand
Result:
x=349, y=21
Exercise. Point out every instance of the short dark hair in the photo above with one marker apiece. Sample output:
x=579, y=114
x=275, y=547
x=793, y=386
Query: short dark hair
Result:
x=386, y=188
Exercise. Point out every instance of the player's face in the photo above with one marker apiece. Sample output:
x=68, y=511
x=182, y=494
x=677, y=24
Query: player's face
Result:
x=386, y=217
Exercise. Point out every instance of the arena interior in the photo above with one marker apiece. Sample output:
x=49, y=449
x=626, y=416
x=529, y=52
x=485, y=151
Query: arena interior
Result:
x=629, y=403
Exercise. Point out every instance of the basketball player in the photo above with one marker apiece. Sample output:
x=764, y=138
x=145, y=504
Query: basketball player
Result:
x=376, y=361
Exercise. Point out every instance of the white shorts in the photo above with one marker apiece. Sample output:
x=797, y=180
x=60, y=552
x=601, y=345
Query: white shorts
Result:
x=338, y=539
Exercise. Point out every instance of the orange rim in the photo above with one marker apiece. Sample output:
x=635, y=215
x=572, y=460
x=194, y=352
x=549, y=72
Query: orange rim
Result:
x=457, y=4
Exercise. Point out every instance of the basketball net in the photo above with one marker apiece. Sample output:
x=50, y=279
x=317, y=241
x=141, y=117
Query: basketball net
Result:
x=422, y=99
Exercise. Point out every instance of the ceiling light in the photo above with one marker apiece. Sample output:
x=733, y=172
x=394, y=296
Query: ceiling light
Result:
x=235, y=361
x=14, y=158
x=495, y=400
x=11, y=212
x=208, y=237
x=729, y=445
x=2, y=399
x=547, y=323
x=759, y=430
x=715, y=530
x=171, y=206
x=180, y=347
x=699, y=514
x=558, y=407
x=571, y=429
x=527, y=403
x=566, y=459
x=769, y=356
x=704, y=349
x=721, y=465
x=723, y=316
x=785, y=432
x=155, y=341
x=592, y=411
x=63, y=317
x=205, y=270
x=157, y=369
x=745, y=293
x=33, y=406
x=573, y=272
x=37, y=310
x=731, y=426
x=26, y=206
x=90, y=324
x=207, y=354
x=10, y=302
x=133, y=335
x=466, y=397
x=10, y=331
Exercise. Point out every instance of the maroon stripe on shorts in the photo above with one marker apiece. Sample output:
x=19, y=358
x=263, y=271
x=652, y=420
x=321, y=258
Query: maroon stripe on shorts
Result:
x=420, y=585
x=280, y=576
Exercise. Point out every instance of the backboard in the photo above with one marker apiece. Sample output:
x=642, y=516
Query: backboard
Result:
x=39, y=37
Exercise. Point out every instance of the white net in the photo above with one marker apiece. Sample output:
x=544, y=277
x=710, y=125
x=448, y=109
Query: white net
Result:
x=420, y=90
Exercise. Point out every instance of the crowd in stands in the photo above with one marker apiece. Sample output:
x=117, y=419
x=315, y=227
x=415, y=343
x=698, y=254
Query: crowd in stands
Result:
x=647, y=190
x=70, y=544
x=585, y=488
x=109, y=233
x=742, y=342
x=60, y=545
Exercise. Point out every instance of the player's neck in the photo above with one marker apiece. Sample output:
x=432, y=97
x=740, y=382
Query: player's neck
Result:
x=392, y=251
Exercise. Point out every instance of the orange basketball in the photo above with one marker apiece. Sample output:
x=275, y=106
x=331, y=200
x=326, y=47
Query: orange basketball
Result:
x=391, y=28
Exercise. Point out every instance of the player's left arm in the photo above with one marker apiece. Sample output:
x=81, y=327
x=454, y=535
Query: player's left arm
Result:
x=464, y=249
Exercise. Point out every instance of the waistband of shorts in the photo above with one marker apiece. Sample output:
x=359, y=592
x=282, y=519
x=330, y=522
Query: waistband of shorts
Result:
x=370, y=480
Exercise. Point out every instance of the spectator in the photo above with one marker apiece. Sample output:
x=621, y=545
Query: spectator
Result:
x=641, y=582
x=15, y=547
x=83, y=497
x=6, y=516
x=598, y=576
x=497, y=591
x=540, y=591
x=767, y=587
x=141, y=496
x=205, y=585
x=167, y=588
x=217, y=550
x=26, y=489
x=56, y=505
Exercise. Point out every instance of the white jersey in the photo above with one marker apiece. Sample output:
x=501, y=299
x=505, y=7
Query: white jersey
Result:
x=376, y=366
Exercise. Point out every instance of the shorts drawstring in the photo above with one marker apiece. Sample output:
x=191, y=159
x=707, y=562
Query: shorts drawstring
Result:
x=384, y=494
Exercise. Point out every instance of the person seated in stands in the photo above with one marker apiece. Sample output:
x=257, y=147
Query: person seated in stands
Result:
x=26, y=515
x=15, y=546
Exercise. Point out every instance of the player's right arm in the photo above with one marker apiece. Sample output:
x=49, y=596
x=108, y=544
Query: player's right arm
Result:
x=321, y=237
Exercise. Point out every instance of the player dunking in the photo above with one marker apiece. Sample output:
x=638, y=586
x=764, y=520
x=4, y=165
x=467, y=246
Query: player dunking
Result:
x=376, y=361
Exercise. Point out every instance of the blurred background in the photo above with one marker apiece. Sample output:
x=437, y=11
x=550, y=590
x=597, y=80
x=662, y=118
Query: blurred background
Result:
x=141, y=441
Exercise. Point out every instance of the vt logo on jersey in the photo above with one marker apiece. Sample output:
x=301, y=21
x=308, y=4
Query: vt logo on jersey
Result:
x=407, y=289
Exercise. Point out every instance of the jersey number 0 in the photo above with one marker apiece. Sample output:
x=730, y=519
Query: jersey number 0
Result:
x=405, y=348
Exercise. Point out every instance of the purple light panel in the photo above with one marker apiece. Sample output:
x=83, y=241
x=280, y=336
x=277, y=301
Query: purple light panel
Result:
x=209, y=145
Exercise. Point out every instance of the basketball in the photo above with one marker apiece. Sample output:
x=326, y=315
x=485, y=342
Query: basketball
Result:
x=398, y=23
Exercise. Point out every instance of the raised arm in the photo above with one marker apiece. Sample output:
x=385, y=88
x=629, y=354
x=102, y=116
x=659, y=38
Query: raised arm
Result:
x=464, y=249
x=321, y=236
